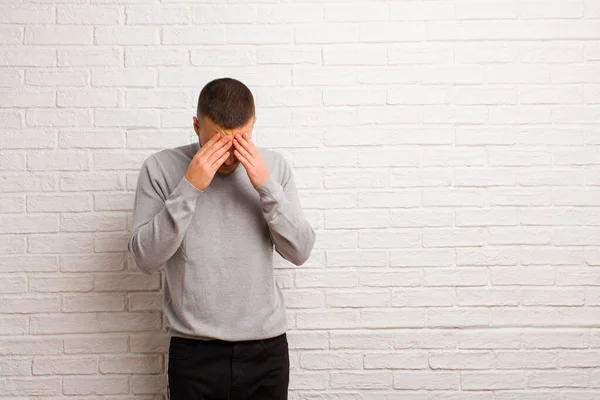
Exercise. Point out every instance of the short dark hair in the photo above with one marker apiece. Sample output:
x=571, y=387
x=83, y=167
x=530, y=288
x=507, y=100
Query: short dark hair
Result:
x=227, y=102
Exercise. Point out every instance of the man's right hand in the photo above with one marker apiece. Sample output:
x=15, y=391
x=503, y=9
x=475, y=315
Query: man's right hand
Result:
x=207, y=161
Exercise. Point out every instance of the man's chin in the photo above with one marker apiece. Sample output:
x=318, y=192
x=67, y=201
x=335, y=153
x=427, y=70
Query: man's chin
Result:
x=227, y=170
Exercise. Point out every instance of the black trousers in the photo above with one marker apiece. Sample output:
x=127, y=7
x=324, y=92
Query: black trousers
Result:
x=221, y=370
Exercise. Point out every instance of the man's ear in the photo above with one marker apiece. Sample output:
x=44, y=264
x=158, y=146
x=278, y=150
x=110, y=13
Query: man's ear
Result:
x=196, y=124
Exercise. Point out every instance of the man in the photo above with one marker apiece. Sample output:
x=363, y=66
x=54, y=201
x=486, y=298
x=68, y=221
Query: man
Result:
x=213, y=211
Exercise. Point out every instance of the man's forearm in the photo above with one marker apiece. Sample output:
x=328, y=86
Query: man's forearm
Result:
x=155, y=241
x=292, y=234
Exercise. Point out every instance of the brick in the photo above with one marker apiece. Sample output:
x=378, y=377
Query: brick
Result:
x=28, y=224
x=440, y=297
x=88, y=98
x=389, y=239
x=288, y=13
x=489, y=339
x=12, y=161
x=397, y=198
x=151, y=364
x=12, y=284
x=94, y=322
x=92, y=263
x=96, y=56
x=27, y=345
x=330, y=319
x=526, y=276
x=129, y=118
x=225, y=14
x=15, y=367
x=487, y=297
x=284, y=54
x=127, y=35
x=58, y=118
x=357, y=299
x=536, y=379
x=11, y=77
x=147, y=56
x=325, y=33
x=26, y=305
x=93, y=302
x=421, y=177
x=422, y=258
x=457, y=197
x=404, y=31
x=58, y=203
x=60, y=243
x=149, y=384
x=28, y=139
x=14, y=325
x=131, y=77
x=307, y=340
x=20, y=263
x=159, y=15
x=141, y=98
x=65, y=366
x=96, y=385
x=30, y=98
x=26, y=14
x=58, y=77
x=460, y=360
x=493, y=379
x=59, y=35
x=552, y=9
x=363, y=380
x=330, y=361
x=426, y=380
x=356, y=12
x=29, y=56
x=88, y=15
x=19, y=386
x=61, y=284
x=126, y=282
x=525, y=359
x=95, y=344
x=408, y=277
x=463, y=276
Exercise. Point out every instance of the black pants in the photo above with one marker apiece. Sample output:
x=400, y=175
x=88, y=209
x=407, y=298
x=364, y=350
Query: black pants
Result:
x=221, y=370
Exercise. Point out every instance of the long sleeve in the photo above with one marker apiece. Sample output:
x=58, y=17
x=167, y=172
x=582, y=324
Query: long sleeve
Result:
x=291, y=233
x=159, y=220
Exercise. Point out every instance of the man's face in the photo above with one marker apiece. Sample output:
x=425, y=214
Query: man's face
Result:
x=206, y=129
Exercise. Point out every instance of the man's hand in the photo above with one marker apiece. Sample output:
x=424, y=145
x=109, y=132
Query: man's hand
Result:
x=251, y=159
x=207, y=161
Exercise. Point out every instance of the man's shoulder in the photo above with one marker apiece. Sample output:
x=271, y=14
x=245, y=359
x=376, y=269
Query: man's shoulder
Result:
x=173, y=156
x=274, y=159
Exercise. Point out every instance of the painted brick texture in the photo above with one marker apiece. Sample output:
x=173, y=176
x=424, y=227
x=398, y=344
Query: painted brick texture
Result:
x=447, y=153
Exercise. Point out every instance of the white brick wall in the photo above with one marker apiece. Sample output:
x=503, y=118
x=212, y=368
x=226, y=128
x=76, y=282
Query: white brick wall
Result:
x=446, y=152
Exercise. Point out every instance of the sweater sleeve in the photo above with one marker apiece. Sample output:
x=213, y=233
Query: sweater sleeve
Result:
x=159, y=220
x=291, y=233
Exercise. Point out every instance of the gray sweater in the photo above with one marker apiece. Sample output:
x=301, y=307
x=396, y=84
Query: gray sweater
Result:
x=216, y=246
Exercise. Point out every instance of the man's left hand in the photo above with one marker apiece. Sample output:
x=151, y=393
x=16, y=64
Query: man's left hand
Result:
x=251, y=159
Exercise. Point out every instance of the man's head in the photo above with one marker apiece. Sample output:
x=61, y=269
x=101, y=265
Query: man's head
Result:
x=225, y=106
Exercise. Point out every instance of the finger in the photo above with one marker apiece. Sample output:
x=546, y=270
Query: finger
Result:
x=210, y=150
x=209, y=143
x=243, y=160
x=242, y=140
x=215, y=165
x=213, y=141
x=218, y=153
x=250, y=142
x=244, y=152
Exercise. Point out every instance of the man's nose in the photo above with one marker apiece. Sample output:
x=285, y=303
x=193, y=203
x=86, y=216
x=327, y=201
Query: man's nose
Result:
x=231, y=158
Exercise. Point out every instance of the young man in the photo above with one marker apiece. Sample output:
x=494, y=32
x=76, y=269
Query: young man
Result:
x=213, y=211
